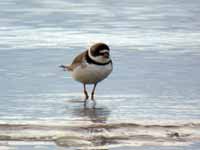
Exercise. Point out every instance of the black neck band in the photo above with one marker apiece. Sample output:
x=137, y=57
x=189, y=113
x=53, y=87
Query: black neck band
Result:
x=90, y=61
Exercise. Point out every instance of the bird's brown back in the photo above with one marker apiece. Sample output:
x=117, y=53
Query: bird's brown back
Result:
x=78, y=60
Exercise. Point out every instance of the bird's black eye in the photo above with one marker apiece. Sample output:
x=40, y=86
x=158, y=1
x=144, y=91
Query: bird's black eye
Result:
x=103, y=53
x=99, y=48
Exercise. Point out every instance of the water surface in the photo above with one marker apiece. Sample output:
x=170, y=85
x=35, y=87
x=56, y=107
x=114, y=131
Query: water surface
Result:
x=155, y=49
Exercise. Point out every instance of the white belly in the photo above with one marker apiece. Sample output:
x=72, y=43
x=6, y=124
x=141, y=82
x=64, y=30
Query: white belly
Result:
x=90, y=73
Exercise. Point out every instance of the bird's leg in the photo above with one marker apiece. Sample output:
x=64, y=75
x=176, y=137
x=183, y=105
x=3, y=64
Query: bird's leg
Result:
x=86, y=95
x=92, y=95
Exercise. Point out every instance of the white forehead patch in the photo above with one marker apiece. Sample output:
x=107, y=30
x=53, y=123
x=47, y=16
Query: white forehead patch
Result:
x=103, y=51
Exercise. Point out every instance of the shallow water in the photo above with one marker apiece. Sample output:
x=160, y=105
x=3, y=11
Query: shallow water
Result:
x=155, y=49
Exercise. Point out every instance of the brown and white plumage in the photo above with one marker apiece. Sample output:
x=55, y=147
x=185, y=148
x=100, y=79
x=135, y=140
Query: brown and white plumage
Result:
x=91, y=67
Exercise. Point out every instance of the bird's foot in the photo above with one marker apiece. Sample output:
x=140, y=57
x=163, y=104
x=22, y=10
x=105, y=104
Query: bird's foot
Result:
x=94, y=103
x=85, y=101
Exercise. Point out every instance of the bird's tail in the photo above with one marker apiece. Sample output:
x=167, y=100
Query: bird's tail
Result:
x=65, y=68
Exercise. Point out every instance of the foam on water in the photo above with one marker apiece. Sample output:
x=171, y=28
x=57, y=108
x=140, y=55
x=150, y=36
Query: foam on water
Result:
x=166, y=28
x=60, y=38
x=97, y=134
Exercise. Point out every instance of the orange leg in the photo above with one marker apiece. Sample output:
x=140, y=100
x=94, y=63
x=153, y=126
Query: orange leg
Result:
x=92, y=95
x=86, y=95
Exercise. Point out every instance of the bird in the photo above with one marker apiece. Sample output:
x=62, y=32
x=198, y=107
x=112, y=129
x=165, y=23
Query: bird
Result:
x=91, y=67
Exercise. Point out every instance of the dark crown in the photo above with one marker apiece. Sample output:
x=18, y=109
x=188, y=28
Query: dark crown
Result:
x=96, y=48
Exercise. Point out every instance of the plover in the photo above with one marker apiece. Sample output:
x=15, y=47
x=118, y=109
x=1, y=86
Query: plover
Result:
x=91, y=67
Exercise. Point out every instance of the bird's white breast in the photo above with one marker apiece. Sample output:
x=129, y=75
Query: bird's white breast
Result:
x=91, y=73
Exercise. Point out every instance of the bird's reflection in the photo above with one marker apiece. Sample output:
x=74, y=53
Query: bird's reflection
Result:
x=97, y=115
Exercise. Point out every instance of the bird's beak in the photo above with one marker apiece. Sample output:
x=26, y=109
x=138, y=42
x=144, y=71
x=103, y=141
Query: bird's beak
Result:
x=106, y=55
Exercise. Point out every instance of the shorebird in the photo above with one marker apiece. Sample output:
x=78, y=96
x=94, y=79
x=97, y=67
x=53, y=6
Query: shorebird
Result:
x=90, y=67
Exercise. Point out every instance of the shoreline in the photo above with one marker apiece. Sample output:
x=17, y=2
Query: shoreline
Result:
x=87, y=134
x=33, y=145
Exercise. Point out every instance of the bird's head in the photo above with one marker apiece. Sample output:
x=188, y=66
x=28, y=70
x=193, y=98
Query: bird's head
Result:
x=99, y=52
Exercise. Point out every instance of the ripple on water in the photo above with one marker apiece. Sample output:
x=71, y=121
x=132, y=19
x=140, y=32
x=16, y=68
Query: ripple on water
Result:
x=99, y=134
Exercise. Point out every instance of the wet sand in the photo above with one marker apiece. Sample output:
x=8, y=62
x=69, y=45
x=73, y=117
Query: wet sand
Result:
x=7, y=145
x=96, y=133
